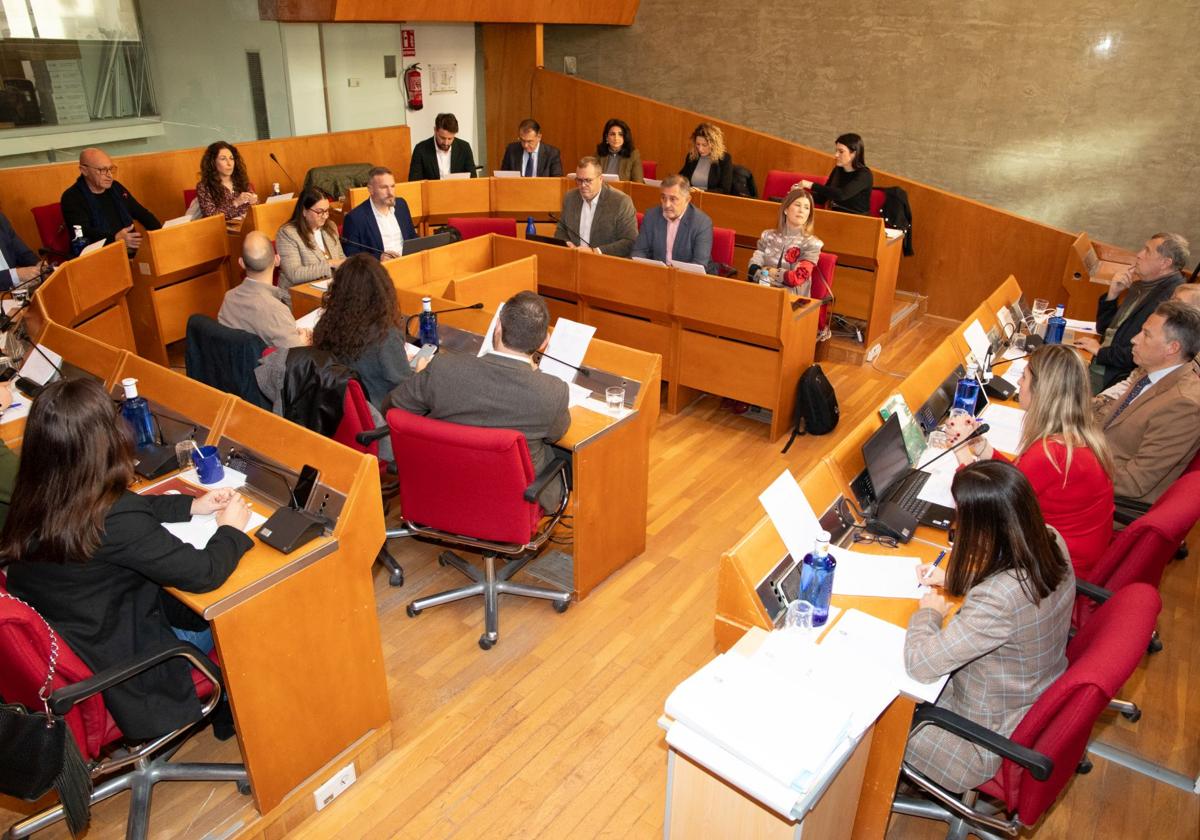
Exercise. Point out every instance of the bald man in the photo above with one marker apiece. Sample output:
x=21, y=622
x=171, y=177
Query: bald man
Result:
x=255, y=306
x=99, y=204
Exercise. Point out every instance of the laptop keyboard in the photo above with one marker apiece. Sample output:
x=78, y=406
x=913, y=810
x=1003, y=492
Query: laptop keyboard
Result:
x=906, y=496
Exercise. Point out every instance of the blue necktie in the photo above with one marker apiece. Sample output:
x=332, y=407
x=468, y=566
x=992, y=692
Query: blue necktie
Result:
x=528, y=164
x=1137, y=388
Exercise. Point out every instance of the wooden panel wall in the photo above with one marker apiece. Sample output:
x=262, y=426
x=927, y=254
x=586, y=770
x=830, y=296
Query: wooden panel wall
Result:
x=158, y=179
x=498, y=11
x=964, y=249
x=510, y=54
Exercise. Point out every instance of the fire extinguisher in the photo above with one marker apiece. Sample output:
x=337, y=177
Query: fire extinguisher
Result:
x=412, y=83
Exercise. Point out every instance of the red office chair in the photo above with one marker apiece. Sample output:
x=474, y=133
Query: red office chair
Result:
x=722, y=251
x=53, y=231
x=650, y=169
x=476, y=487
x=24, y=653
x=188, y=197
x=779, y=183
x=473, y=226
x=822, y=288
x=356, y=419
x=1048, y=745
x=877, y=198
x=640, y=216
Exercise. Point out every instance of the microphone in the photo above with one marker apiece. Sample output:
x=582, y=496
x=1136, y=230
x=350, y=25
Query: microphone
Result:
x=363, y=245
x=981, y=429
x=570, y=229
x=585, y=371
x=1006, y=361
x=275, y=160
x=408, y=321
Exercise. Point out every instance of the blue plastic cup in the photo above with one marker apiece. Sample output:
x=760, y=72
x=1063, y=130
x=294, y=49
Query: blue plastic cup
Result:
x=208, y=464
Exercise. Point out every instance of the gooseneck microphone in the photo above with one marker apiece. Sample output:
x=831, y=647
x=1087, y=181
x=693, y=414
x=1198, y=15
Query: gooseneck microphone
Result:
x=584, y=370
x=275, y=160
x=409, y=319
x=981, y=429
x=570, y=230
x=363, y=245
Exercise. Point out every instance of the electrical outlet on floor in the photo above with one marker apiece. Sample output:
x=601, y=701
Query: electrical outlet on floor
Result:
x=873, y=353
x=335, y=787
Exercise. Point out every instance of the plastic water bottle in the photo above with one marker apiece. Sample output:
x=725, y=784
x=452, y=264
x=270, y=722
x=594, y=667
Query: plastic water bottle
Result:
x=275, y=189
x=967, y=392
x=1056, y=327
x=428, y=332
x=136, y=412
x=763, y=277
x=816, y=579
x=78, y=243
x=530, y=227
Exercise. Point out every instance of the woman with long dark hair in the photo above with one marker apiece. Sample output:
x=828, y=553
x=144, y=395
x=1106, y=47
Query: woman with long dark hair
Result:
x=618, y=155
x=93, y=558
x=848, y=187
x=224, y=186
x=1007, y=642
x=308, y=244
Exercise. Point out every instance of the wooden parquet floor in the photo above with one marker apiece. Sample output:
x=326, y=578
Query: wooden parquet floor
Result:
x=553, y=733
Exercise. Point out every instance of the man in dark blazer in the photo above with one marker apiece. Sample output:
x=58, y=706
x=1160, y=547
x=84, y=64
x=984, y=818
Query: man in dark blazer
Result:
x=530, y=156
x=1151, y=280
x=379, y=226
x=609, y=225
x=101, y=206
x=441, y=153
x=675, y=223
x=502, y=389
x=20, y=263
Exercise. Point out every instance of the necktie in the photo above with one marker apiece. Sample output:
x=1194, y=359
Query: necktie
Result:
x=528, y=165
x=1137, y=388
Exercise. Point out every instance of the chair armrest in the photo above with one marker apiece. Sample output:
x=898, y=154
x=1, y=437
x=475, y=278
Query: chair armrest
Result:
x=542, y=480
x=373, y=435
x=1038, y=765
x=1090, y=590
x=1127, y=510
x=64, y=699
x=726, y=270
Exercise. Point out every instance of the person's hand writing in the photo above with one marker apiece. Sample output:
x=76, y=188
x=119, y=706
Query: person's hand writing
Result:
x=212, y=501
x=235, y=513
x=6, y=396
x=1089, y=343
x=131, y=238
x=930, y=575
x=932, y=600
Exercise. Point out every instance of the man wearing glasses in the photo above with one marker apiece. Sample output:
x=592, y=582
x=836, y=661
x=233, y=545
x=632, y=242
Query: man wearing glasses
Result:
x=595, y=217
x=99, y=204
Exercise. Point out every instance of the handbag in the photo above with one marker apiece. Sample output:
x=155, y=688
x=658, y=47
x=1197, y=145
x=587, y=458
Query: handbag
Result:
x=38, y=752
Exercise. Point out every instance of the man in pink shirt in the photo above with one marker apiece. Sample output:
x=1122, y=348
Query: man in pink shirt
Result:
x=675, y=231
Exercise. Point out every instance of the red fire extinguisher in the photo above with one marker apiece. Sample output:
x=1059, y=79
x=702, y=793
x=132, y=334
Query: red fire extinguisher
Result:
x=412, y=83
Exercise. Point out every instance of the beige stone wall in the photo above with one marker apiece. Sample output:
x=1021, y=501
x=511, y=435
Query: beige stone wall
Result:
x=1080, y=114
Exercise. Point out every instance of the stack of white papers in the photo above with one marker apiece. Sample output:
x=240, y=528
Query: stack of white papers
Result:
x=568, y=345
x=872, y=644
x=875, y=575
x=199, y=529
x=1005, y=422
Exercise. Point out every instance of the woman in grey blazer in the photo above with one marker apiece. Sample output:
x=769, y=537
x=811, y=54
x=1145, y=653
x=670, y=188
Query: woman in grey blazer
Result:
x=308, y=244
x=1007, y=642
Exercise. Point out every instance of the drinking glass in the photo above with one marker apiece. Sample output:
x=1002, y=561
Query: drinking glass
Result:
x=183, y=454
x=614, y=396
x=799, y=616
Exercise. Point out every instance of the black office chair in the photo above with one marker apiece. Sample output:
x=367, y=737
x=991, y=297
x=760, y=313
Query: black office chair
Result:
x=224, y=358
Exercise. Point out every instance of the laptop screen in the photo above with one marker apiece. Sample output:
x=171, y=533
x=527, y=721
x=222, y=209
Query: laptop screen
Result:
x=885, y=456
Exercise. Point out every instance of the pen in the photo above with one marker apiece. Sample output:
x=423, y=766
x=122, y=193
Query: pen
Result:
x=936, y=563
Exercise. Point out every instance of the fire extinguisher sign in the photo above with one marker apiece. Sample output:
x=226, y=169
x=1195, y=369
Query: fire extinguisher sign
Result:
x=408, y=42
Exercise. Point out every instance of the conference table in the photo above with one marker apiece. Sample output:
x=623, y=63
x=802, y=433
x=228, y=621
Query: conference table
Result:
x=754, y=558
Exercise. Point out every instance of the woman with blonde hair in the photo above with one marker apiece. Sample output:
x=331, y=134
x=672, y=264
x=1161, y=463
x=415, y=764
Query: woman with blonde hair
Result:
x=1063, y=452
x=790, y=251
x=708, y=164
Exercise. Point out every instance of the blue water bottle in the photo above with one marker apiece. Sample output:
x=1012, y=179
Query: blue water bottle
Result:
x=136, y=412
x=428, y=332
x=78, y=242
x=967, y=392
x=816, y=579
x=530, y=227
x=1056, y=327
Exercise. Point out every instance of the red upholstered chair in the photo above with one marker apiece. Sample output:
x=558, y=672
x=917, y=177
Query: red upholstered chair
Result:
x=188, y=197
x=476, y=487
x=722, y=251
x=779, y=182
x=650, y=169
x=1048, y=745
x=24, y=656
x=640, y=216
x=877, y=198
x=822, y=287
x=473, y=226
x=53, y=230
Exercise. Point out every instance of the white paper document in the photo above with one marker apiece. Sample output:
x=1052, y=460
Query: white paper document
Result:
x=977, y=340
x=689, y=267
x=95, y=246
x=200, y=528
x=659, y=263
x=865, y=640
x=506, y=173
x=487, y=345
x=792, y=515
x=875, y=575
x=271, y=199
x=307, y=322
x=1005, y=422
x=321, y=285
x=941, y=474
x=1081, y=326
x=178, y=220
x=456, y=176
x=41, y=364
x=568, y=345
x=654, y=182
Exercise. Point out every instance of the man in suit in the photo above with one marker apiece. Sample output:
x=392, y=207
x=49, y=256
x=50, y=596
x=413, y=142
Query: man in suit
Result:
x=502, y=389
x=442, y=154
x=17, y=263
x=1149, y=419
x=1153, y=276
x=99, y=204
x=675, y=231
x=530, y=156
x=379, y=227
x=595, y=217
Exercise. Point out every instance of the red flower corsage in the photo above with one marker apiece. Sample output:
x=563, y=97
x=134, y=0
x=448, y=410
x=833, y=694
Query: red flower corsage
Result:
x=791, y=254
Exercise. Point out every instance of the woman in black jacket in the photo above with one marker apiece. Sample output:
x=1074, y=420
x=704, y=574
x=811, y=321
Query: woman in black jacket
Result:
x=848, y=187
x=93, y=558
x=708, y=164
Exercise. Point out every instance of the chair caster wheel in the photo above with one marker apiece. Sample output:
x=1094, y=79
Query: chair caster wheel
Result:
x=243, y=788
x=561, y=606
x=1084, y=767
x=396, y=579
x=1132, y=717
x=485, y=643
x=412, y=611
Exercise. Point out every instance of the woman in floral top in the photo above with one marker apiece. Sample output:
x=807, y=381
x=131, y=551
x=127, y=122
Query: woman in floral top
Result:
x=789, y=254
x=224, y=187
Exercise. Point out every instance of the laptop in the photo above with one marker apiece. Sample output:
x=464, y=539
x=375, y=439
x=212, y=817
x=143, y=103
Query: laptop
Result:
x=934, y=409
x=893, y=481
x=424, y=243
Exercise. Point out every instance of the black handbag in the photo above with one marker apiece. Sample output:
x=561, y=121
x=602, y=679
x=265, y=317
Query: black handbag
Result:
x=38, y=752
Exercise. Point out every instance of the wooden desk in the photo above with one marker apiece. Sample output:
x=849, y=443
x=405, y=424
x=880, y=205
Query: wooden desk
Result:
x=88, y=294
x=180, y=271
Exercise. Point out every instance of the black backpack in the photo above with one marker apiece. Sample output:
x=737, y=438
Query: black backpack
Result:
x=743, y=183
x=816, y=410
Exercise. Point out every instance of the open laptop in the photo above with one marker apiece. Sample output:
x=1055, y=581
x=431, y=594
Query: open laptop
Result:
x=893, y=481
x=424, y=243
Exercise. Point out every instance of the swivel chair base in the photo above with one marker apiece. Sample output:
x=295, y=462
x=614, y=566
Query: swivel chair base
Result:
x=489, y=583
x=140, y=782
x=957, y=827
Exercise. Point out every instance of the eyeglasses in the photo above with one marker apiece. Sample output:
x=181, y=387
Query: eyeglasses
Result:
x=888, y=542
x=103, y=170
x=317, y=212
